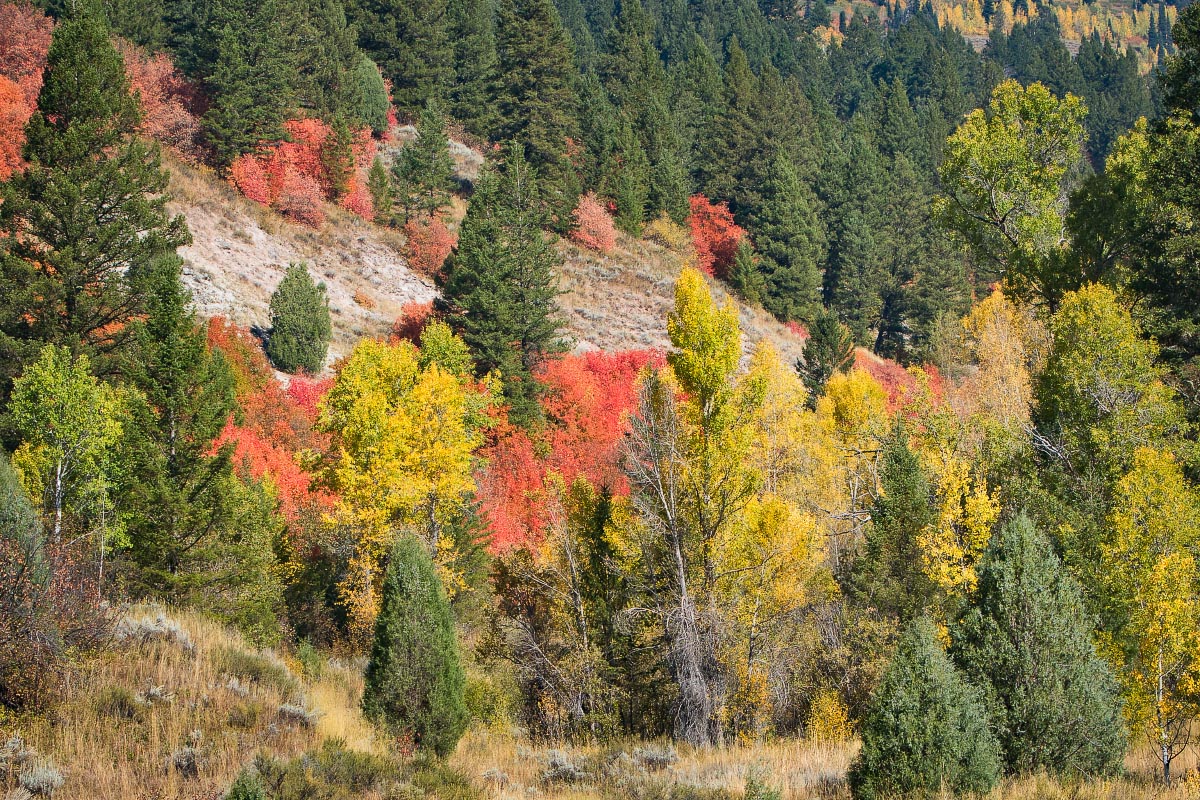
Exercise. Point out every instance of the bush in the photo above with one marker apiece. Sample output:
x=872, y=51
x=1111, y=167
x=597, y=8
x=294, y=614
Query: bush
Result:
x=118, y=702
x=715, y=236
x=828, y=718
x=261, y=669
x=926, y=728
x=594, y=227
x=414, y=682
x=371, y=96
x=357, y=200
x=429, y=245
x=331, y=773
x=300, y=199
x=300, y=325
x=413, y=319
x=1053, y=703
x=668, y=233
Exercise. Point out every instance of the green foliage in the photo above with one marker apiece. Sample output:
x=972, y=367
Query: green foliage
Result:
x=332, y=772
x=829, y=349
x=410, y=41
x=424, y=172
x=382, y=194
x=501, y=283
x=1026, y=642
x=791, y=241
x=83, y=224
x=414, y=681
x=745, y=277
x=370, y=96
x=925, y=729
x=266, y=671
x=300, y=324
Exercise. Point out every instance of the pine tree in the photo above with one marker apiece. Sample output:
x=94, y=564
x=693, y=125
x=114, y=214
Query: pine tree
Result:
x=414, y=681
x=789, y=236
x=252, y=79
x=501, y=283
x=380, y=187
x=82, y=225
x=535, y=99
x=424, y=171
x=472, y=30
x=829, y=349
x=1053, y=703
x=745, y=277
x=410, y=41
x=370, y=103
x=337, y=157
x=926, y=728
x=300, y=326
x=629, y=181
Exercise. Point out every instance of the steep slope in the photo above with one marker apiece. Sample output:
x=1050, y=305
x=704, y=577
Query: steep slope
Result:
x=240, y=251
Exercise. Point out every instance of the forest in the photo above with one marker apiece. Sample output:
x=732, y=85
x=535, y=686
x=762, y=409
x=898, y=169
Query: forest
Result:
x=953, y=550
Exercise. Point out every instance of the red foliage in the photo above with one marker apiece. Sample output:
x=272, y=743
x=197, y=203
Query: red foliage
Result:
x=364, y=148
x=14, y=113
x=248, y=176
x=170, y=104
x=796, y=329
x=594, y=227
x=413, y=319
x=357, y=200
x=587, y=404
x=715, y=235
x=275, y=424
x=300, y=198
x=430, y=242
x=899, y=384
x=25, y=33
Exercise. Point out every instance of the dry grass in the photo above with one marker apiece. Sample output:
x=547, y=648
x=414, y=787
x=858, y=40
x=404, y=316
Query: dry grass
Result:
x=128, y=713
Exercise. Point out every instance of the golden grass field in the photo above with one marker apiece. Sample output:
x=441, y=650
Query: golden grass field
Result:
x=181, y=689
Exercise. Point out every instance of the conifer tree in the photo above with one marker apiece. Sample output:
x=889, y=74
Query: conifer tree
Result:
x=370, y=98
x=1053, y=702
x=382, y=195
x=473, y=32
x=926, y=728
x=789, y=236
x=82, y=225
x=501, y=283
x=410, y=41
x=337, y=157
x=424, y=171
x=534, y=96
x=300, y=326
x=628, y=181
x=414, y=681
x=829, y=349
x=251, y=80
x=745, y=277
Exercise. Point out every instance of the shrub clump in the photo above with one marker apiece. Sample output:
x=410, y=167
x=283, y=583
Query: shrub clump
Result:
x=594, y=228
x=300, y=324
x=925, y=728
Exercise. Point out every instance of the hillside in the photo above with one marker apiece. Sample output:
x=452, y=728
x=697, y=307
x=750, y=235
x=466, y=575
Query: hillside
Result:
x=240, y=250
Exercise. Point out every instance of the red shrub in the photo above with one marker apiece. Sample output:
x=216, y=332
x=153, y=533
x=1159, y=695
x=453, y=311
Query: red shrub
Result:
x=796, y=329
x=364, y=148
x=357, y=200
x=14, y=113
x=307, y=392
x=300, y=198
x=901, y=385
x=25, y=33
x=413, y=319
x=715, y=235
x=248, y=176
x=594, y=227
x=429, y=244
x=170, y=104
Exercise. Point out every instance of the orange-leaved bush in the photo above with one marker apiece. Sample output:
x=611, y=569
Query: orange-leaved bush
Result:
x=170, y=104
x=357, y=199
x=14, y=113
x=594, y=228
x=249, y=176
x=429, y=245
x=300, y=198
x=412, y=321
x=715, y=236
x=25, y=33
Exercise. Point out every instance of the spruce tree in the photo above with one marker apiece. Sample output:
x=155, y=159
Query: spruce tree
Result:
x=410, y=41
x=628, y=181
x=502, y=282
x=925, y=729
x=370, y=99
x=534, y=96
x=424, y=171
x=829, y=349
x=414, y=681
x=791, y=241
x=380, y=187
x=745, y=278
x=300, y=325
x=80, y=227
x=472, y=30
x=1053, y=702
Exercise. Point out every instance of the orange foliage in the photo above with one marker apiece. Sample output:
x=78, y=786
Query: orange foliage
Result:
x=587, y=404
x=14, y=113
x=300, y=198
x=594, y=227
x=170, y=104
x=715, y=236
x=429, y=244
x=796, y=329
x=357, y=200
x=413, y=319
x=248, y=176
x=25, y=33
x=901, y=385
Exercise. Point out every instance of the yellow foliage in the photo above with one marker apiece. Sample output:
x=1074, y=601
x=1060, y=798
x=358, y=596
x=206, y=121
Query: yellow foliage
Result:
x=828, y=719
x=951, y=548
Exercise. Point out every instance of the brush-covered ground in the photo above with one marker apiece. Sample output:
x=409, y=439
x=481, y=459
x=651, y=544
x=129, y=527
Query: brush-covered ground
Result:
x=179, y=706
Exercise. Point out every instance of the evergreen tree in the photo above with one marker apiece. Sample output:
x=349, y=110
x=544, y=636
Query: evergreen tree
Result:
x=337, y=157
x=829, y=349
x=380, y=187
x=1053, y=703
x=888, y=572
x=414, y=681
x=745, y=277
x=472, y=30
x=82, y=225
x=252, y=79
x=300, y=325
x=410, y=41
x=628, y=181
x=926, y=728
x=534, y=96
x=789, y=236
x=424, y=171
x=370, y=97
x=501, y=283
